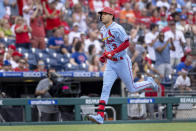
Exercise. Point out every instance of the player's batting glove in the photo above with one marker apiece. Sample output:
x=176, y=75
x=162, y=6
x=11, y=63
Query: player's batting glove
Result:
x=102, y=58
x=109, y=55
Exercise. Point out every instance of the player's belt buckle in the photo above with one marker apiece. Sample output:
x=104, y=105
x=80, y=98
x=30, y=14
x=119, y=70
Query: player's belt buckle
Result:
x=115, y=59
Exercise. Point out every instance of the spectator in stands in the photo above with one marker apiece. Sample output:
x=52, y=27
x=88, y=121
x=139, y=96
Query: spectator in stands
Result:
x=9, y=52
x=11, y=7
x=5, y=28
x=162, y=52
x=161, y=3
x=64, y=28
x=28, y=11
x=91, y=52
x=40, y=66
x=136, y=10
x=74, y=33
x=16, y=56
x=188, y=34
x=6, y=66
x=186, y=65
x=135, y=52
x=56, y=42
x=21, y=66
x=3, y=9
x=21, y=31
x=27, y=66
x=37, y=25
x=92, y=40
x=182, y=24
x=183, y=82
x=150, y=38
x=148, y=68
x=142, y=4
x=143, y=19
x=2, y=37
x=92, y=27
x=2, y=51
x=178, y=40
x=150, y=8
x=78, y=57
x=95, y=64
x=1, y=58
x=48, y=113
x=192, y=75
x=2, y=47
x=52, y=16
x=162, y=23
x=155, y=16
x=97, y=5
x=172, y=8
x=190, y=18
x=136, y=72
x=75, y=40
x=83, y=37
x=187, y=52
x=127, y=15
x=79, y=17
x=115, y=6
x=68, y=47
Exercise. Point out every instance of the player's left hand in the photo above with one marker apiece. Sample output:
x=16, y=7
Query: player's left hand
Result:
x=109, y=55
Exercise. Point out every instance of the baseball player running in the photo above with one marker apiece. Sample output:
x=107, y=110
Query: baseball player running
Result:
x=118, y=62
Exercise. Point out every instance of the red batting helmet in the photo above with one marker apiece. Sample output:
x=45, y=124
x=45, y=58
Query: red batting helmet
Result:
x=107, y=10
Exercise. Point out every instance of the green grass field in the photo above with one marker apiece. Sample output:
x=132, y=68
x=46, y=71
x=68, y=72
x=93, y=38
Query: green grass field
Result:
x=106, y=127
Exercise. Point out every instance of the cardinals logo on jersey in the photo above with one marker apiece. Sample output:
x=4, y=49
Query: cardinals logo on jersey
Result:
x=107, y=38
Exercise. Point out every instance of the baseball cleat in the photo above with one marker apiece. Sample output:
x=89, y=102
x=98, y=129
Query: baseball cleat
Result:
x=156, y=87
x=96, y=118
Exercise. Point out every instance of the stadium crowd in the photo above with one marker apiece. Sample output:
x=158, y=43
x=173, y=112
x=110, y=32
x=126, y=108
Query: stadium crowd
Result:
x=38, y=34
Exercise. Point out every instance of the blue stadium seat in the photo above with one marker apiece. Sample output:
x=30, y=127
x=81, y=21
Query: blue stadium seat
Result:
x=35, y=50
x=41, y=56
x=49, y=51
x=31, y=60
x=83, y=67
x=23, y=50
x=60, y=58
x=51, y=62
x=70, y=67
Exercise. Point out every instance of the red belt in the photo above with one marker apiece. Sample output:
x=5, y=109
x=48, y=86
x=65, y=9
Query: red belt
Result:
x=115, y=59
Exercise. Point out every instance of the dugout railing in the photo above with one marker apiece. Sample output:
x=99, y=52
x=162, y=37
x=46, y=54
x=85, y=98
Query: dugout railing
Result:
x=169, y=102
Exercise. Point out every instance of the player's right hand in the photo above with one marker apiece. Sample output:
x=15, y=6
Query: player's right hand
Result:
x=102, y=59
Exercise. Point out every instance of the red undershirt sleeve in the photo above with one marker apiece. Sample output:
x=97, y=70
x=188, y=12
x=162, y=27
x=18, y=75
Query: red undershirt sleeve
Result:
x=122, y=47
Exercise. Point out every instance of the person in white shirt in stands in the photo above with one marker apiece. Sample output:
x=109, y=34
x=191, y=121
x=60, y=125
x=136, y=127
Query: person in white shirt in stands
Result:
x=99, y=4
x=28, y=11
x=80, y=17
x=179, y=42
x=150, y=39
x=9, y=52
x=162, y=3
x=183, y=82
x=92, y=40
x=74, y=33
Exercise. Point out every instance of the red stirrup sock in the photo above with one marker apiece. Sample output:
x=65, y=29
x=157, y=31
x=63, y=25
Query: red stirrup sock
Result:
x=101, y=108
